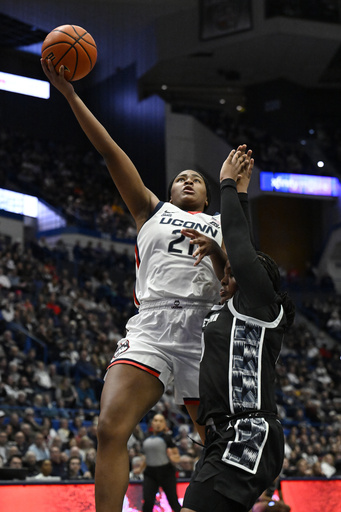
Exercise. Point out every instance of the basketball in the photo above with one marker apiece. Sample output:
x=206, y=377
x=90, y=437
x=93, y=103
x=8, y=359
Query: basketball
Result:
x=73, y=47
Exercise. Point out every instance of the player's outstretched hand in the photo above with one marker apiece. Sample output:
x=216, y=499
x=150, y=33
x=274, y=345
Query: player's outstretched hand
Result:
x=56, y=79
x=234, y=164
x=206, y=245
x=245, y=176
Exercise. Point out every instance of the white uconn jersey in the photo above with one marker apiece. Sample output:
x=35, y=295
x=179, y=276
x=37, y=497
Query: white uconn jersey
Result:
x=164, y=257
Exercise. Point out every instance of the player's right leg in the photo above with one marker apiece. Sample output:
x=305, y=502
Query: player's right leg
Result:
x=128, y=395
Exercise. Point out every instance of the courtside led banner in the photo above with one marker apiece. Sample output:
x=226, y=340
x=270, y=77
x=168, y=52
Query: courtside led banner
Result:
x=301, y=495
x=24, y=85
x=311, y=185
x=73, y=497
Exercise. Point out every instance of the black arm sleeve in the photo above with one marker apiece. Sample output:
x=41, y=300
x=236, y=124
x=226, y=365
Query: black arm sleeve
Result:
x=244, y=201
x=255, y=287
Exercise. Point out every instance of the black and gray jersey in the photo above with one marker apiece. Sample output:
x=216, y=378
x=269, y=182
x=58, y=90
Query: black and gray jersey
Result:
x=237, y=369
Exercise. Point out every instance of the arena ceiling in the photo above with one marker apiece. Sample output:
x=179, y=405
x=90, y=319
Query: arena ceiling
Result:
x=303, y=52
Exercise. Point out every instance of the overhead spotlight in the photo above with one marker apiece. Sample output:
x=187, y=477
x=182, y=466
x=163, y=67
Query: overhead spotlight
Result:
x=164, y=87
x=311, y=131
x=240, y=108
x=320, y=163
x=303, y=142
x=222, y=101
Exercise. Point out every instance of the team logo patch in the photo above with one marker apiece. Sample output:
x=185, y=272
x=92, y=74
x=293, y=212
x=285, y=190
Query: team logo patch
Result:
x=122, y=346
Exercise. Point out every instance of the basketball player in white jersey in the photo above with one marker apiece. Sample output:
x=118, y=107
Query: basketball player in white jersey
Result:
x=163, y=341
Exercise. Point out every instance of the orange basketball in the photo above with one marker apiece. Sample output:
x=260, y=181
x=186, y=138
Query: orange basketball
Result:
x=73, y=47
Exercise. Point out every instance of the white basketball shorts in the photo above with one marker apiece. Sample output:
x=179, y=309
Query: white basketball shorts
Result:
x=164, y=339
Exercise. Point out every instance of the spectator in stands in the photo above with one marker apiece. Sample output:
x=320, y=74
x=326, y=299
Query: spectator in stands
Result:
x=184, y=444
x=14, y=370
x=92, y=431
x=69, y=356
x=15, y=462
x=2, y=417
x=4, y=279
x=286, y=469
x=3, y=445
x=309, y=454
x=84, y=367
x=46, y=471
x=67, y=393
x=90, y=461
x=14, y=422
x=302, y=468
x=328, y=465
x=333, y=325
x=58, y=461
x=84, y=444
x=23, y=400
x=77, y=423
x=30, y=419
x=21, y=442
x=12, y=450
x=49, y=432
x=137, y=469
x=64, y=431
x=56, y=441
x=338, y=466
x=86, y=394
x=28, y=431
x=10, y=389
x=316, y=470
x=39, y=448
x=30, y=462
x=70, y=445
x=185, y=467
x=74, y=471
x=55, y=379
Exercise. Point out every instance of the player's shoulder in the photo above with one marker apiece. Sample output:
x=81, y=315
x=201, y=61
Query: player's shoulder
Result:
x=212, y=220
x=164, y=208
x=216, y=216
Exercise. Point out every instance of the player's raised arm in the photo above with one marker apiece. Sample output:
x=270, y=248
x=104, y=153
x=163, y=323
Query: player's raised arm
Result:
x=139, y=200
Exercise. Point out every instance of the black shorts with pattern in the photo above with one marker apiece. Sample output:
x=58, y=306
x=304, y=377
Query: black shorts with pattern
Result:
x=242, y=458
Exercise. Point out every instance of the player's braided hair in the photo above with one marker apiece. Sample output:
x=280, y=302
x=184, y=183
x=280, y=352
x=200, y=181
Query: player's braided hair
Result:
x=207, y=185
x=272, y=269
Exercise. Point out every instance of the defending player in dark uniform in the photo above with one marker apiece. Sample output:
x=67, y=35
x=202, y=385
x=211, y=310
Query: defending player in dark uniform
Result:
x=242, y=341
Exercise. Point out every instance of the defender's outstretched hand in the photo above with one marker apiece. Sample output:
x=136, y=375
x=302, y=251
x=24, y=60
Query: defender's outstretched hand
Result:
x=234, y=165
x=245, y=177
